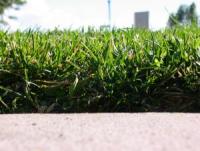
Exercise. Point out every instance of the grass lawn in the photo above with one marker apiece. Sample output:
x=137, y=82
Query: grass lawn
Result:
x=123, y=70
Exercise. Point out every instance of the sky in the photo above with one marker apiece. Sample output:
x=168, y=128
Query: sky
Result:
x=73, y=14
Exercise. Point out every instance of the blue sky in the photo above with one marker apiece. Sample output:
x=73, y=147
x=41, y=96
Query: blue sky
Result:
x=48, y=14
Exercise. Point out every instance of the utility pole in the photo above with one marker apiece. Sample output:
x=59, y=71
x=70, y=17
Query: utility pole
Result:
x=109, y=13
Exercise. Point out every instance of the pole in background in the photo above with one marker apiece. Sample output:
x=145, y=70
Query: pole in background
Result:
x=109, y=14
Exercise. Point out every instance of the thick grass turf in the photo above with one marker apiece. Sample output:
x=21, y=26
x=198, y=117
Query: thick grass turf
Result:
x=123, y=70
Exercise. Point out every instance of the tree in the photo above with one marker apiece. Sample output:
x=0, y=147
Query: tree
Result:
x=192, y=14
x=185, y=15
x=182, y=13
x=5, y=4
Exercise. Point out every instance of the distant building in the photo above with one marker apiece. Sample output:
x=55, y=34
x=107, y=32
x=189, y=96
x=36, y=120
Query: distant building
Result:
x=141, y=19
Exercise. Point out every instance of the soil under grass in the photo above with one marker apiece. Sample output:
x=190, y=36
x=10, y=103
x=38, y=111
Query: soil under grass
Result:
x=123, y=70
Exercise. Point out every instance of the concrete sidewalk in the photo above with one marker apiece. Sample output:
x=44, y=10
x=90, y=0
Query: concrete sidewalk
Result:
x=100, y=132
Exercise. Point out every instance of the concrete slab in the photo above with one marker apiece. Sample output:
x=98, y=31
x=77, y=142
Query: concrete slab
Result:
x=100, y=132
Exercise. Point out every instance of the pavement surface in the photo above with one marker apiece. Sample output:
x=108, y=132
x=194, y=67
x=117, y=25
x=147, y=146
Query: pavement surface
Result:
x=100, y=132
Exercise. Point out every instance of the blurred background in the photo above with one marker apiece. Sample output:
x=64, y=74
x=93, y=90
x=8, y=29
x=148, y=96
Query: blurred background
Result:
x=74, y=14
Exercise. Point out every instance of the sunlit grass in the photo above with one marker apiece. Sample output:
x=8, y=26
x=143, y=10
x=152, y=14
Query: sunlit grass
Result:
x=119, y=70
